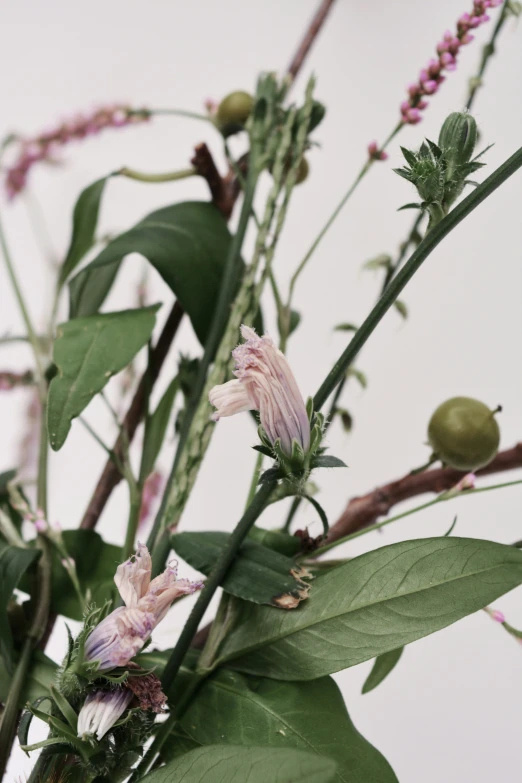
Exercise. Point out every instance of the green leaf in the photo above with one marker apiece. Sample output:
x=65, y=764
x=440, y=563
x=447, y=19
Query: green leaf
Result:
x=345, y=327
x=96, y=563
x=401, y=308
x=381, y=668
x=38, y=682
x=229, y=763
x=87, y=352
x=411, y=205
x=329, y=461
x=410, y=157
x=14, y=562
x=155, y=428
x=277, y=540
x=187, y=243
x=27, y=717
x=5, y=478
x=375, y=603
x=359, y=376
x=85, y=220
x=295, y=320
x=258, y=574
x=65, y=708
x=382, y=261
x=237, y=710
x=320, y=510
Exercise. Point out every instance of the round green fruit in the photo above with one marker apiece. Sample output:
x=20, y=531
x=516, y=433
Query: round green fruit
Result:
x=235, y=109
x=302, y=171
x=464, y=433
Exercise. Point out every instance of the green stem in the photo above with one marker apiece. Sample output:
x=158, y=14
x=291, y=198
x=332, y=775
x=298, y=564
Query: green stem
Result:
x=335, y=214
x=219, y=319
x=33, y=339
x=43, y=453
x=255, y=479
x=169, y=176
x=487, y=51
x=134, y=518
x=449, y=495
x=175, y=113
x=428, y=244
x=214, y=580
x=10, y=714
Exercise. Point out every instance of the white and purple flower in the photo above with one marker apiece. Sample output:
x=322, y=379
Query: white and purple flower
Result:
x=122, y=634
x=265, y=382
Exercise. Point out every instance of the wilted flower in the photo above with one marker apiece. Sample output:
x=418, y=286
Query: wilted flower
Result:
x=101, y=710
x=265, y=383
x=122, y=634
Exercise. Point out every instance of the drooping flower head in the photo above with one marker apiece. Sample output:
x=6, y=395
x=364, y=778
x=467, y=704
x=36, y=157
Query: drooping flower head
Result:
x=101, y=710
x=265, y=382
x=122, y=634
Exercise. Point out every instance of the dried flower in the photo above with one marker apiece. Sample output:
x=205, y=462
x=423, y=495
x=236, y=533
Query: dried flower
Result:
x=265, y=383
x=101, y=710
x=45, y=146
x=431, y=77
x=122, y=634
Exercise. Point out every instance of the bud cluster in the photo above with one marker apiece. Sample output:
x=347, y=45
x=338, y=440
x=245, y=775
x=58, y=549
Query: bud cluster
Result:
x=440, y=171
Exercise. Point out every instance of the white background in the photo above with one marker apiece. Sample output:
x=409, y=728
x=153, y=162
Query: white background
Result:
x=451, y=710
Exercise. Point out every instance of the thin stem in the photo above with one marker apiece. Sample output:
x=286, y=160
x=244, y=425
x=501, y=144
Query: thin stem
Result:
x=443, y=497
x=219, y=319
x=487, y=51
x=428, y=244
x=134, y=518
x=255, y=479
x=175, y=113
x=33, y=339
x=335, y=214
x=169, y=176
x=43, y=453
x=10, y=714
x=214, y=580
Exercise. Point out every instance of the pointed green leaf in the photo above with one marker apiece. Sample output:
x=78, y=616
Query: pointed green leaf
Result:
x=27, y=717
x=65, y=708
x=409, y=156
x=381, y=668
x=188, y=245
x=375, y=603
x=85, y=220
x=329, y=461
x=346, y=327
x=401, y=308
x=411, y=205
x=87, y=352
x=359, y=376
x=14, y=562
x=258, y=574
x=237, y=710
x=229, y=763
x=295, y=320
x=155, y=429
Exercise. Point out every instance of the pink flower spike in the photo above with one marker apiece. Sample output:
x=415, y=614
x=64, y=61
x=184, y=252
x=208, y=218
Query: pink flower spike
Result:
x=413, y=90
x=497, y=616
x=412, y=116
x=430, y=87
x=447, y=59
x=264, y=383
x=467, y=38
x=41, y=526
x=422, y=105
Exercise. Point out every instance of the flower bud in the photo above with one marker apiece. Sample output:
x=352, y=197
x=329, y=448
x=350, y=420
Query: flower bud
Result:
x=457, y=138
x=101, y=710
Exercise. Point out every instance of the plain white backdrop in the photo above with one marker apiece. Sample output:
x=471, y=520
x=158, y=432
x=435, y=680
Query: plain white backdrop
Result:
x=451, y=710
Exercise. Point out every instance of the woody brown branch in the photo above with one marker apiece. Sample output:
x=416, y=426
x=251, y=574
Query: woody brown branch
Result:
x=363, y=511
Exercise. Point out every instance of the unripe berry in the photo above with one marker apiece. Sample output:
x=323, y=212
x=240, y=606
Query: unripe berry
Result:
x=464, y=433
x=234, y=110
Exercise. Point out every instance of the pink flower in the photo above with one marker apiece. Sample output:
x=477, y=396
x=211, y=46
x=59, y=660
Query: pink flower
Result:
x=101, y=710
x=122, y=634
x=467, y=482
x=264, y=383
x=374, y=153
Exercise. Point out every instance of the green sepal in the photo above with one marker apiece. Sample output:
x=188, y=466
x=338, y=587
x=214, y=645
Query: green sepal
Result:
x=27, y=717
x=65, y=708
x=310, y=408
x=264, y=450
x=272, y=474
x=320, y=510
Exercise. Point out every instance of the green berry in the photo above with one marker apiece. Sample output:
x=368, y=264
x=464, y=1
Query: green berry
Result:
x=234, y=110
x=464, y=433
x=302, y=171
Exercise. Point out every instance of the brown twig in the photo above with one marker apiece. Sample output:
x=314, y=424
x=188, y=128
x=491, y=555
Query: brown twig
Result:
x=363, y=511
x=111, y=476
x=309, y=38
x=223, y=193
